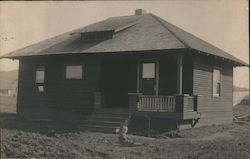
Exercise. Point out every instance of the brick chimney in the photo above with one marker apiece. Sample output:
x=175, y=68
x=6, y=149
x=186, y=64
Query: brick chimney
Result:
x=140, y=11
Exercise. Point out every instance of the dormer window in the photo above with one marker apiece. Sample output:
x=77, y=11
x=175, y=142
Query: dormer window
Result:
x=101, y=33
x=97, y=35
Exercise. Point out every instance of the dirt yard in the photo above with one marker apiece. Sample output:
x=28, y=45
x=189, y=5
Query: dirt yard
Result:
x=225, y=141
x=230, y=141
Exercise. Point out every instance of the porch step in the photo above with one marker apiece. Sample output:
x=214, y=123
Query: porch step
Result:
x=105, y=120
x=97, y=128
x=102, y=123
x=113, y=110
x=110, y=115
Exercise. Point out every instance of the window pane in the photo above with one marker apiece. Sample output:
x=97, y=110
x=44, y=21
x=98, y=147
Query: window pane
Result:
x=216, y=82
x=218, y=89
x=74, y=72
x=40, y=71
x=216, y=75
x=148, y=70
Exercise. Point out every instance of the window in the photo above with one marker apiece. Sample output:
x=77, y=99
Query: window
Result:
x=40, y=78
x=148, y=70
x=216, y=82
x=74, y=72
x=97, y=35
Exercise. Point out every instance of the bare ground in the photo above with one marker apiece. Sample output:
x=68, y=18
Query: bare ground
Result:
x=224, y=141
x=34, y=141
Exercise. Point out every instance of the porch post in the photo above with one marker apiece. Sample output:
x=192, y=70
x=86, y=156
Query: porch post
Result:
x=157, y=77
x=138, y=78
x=179, y=74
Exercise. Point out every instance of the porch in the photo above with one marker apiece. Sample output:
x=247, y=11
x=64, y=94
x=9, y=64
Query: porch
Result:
x=181, y=107
x=168, y=112
x=161, y=85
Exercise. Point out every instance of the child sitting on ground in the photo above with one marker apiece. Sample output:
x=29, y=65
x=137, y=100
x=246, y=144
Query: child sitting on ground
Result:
x=123, y=138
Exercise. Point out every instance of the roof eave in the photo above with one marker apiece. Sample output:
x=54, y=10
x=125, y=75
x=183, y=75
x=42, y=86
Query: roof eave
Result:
x=238, y=63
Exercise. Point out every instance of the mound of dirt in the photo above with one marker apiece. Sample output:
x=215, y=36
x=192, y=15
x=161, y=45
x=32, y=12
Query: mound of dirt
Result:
x=225, y=141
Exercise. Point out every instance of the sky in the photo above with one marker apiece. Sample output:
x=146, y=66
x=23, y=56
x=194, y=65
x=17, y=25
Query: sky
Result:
x=223, y=23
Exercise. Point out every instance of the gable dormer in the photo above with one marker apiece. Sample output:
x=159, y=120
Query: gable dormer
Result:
x=97, y=35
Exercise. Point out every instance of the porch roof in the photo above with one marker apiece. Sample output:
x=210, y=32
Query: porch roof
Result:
x=130, y=33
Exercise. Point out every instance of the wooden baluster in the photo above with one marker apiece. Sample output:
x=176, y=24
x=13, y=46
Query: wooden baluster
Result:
x=174, y=105
x=166, y=104
x=145, y=103
x=171, y=104
x=148, y=103
x=140, y=103
x=155, y=104
x=151, y=103
x=149, y=100
x=160, y=103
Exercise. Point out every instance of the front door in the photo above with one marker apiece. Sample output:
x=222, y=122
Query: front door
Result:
x=148, y=77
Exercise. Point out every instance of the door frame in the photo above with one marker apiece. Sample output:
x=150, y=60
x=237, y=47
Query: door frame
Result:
x=139, y=70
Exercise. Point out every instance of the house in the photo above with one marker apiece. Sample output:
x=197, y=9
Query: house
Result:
x=129, y=65
x=5, y=92
x=8, y=83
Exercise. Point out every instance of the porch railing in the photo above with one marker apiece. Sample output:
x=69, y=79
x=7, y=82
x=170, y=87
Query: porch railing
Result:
x=153, y=103
x=156, y=103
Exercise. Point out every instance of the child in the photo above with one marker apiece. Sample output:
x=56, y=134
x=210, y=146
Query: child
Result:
x=123, y=138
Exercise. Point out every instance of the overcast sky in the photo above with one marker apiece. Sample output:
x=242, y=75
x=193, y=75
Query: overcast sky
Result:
x=224, y=23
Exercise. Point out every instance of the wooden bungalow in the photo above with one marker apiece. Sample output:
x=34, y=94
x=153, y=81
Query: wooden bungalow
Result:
x=122, y=67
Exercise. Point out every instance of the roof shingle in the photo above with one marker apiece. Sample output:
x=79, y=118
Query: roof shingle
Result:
x=132, y=33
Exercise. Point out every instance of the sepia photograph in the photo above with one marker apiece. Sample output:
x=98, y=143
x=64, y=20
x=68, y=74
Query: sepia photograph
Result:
x=124, y=79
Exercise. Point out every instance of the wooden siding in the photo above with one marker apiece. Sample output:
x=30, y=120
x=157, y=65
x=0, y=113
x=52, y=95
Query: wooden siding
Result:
x=64, y=99
x=214, y=110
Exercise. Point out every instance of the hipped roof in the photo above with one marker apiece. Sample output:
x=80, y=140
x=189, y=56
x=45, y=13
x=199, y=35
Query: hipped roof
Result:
x=131, y=33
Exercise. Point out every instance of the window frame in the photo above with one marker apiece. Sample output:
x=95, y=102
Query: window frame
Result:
x=154, y=73
x=74, y=64
x=40, y=84
x=139, y=72
x=216, y=95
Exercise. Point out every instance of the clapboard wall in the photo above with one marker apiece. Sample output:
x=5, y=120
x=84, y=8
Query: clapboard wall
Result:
x=63, y=99
x=214, y=110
